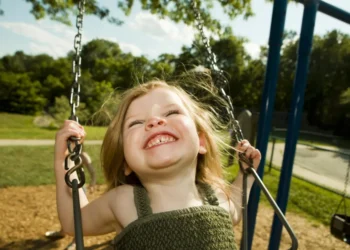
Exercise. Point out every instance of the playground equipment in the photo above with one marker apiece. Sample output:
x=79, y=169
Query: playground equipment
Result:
x=275, y=42
x=75, y=153
x=221, y=82
x=277, y=27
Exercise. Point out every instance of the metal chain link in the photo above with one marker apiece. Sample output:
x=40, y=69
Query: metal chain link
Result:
x=218, y=75
x=346, y=179
x=221, y=82
x=205, y=40
x=343, y=200
x=74, y=100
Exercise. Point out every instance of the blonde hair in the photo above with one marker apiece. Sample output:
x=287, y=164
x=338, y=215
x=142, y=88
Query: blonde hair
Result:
x=209, y=169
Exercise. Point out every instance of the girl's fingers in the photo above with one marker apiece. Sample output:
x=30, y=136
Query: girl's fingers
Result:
x=243, y=145
x=71, y=128
x=250, y=152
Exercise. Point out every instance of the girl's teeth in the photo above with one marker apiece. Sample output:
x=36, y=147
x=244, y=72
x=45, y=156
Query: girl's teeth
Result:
x=160, y=140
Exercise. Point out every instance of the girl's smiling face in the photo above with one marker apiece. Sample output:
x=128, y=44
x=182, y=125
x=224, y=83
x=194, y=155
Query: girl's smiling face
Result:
x=159, y=133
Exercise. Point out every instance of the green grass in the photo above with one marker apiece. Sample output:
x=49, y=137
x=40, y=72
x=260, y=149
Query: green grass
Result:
x=15, y=121
x=33, y=166
x=15, y=126
x=314, y=202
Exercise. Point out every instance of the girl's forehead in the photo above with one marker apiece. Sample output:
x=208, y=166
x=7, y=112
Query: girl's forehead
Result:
x=158, y=96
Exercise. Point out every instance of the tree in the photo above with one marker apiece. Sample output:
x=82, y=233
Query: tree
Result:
x=163, y=67
x=329, y=77
x=106, y=62
x=18, y=63
x=343, y=124
x=19, y=94
x=175, y=10
x=327, y=81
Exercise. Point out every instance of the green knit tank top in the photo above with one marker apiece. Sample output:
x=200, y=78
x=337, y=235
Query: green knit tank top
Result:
x=205, y=227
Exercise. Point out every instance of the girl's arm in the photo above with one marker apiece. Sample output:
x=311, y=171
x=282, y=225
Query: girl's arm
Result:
x=97, y=216
x=236, y=187
x=88, y=164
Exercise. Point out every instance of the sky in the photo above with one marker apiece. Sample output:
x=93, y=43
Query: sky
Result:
x=143, y=33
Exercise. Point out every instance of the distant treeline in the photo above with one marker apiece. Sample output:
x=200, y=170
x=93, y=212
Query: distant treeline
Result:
x=41, y=84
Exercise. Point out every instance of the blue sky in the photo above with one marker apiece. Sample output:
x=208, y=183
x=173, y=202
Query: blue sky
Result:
x=142, y=33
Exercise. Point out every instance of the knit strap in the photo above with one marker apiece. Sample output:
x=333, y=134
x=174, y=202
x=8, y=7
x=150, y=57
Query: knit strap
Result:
x=142, y=202
x=208, y=194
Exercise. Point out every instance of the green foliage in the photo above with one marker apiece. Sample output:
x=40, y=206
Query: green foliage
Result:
x=176, y=10
x=345, y=97
x=330, y=56
x=31, y=83
x=328, y=79
x=19, y=94
x=245, y=76
x=61, y=109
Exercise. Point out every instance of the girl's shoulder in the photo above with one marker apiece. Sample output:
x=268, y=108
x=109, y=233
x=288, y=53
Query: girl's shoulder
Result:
x=123, y=204
x=225, y=200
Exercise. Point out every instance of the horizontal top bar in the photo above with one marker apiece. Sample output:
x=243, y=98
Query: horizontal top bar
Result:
x=332, y=11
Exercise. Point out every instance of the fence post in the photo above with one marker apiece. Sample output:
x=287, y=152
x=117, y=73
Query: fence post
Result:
x=272, y=151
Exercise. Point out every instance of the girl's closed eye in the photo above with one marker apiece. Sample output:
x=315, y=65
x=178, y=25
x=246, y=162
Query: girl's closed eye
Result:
x=172, y=112
x=134, y=123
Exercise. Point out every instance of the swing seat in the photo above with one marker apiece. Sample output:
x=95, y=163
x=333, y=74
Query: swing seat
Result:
x=340, y=227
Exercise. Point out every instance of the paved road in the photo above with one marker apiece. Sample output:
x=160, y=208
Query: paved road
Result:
x=322, y=167
x=319, y=166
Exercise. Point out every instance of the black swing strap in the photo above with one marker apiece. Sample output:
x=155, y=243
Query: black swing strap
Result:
x=221, y=82
x=75, y=152
x=343, y=200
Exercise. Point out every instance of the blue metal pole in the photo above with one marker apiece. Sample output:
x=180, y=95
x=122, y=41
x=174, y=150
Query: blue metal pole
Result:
x=332, y=11
x=268, y=100
x=335, y=12
x=294, y=119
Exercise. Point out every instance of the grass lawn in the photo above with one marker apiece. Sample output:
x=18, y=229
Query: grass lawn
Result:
x=33, y=166
x=15, y=126
x=314, y=202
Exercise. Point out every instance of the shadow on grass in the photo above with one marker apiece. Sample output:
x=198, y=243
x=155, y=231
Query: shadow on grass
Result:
x=30, y=244
x=46, y=244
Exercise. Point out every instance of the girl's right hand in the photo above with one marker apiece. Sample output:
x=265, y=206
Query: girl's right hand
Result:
x=69, y=128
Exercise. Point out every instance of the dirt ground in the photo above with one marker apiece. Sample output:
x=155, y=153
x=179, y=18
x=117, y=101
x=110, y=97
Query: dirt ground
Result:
x=28, y=212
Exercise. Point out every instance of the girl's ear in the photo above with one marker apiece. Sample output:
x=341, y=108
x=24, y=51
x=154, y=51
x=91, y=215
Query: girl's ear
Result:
x=127, y=170
x=202, y=144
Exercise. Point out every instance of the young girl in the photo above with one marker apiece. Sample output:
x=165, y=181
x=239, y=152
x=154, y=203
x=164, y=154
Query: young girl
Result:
x=161, y=160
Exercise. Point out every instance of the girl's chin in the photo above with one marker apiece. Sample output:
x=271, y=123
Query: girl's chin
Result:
x=166, y=163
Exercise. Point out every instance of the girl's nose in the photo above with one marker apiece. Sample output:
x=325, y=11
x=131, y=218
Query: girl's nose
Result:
x=155, y=122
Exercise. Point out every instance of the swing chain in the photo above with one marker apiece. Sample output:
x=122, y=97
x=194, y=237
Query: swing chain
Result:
x=74, y=99
x=218, y=75
x=205, y=40
x=346, y=180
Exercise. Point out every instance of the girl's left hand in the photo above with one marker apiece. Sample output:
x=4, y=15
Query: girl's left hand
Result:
x=250, y=153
